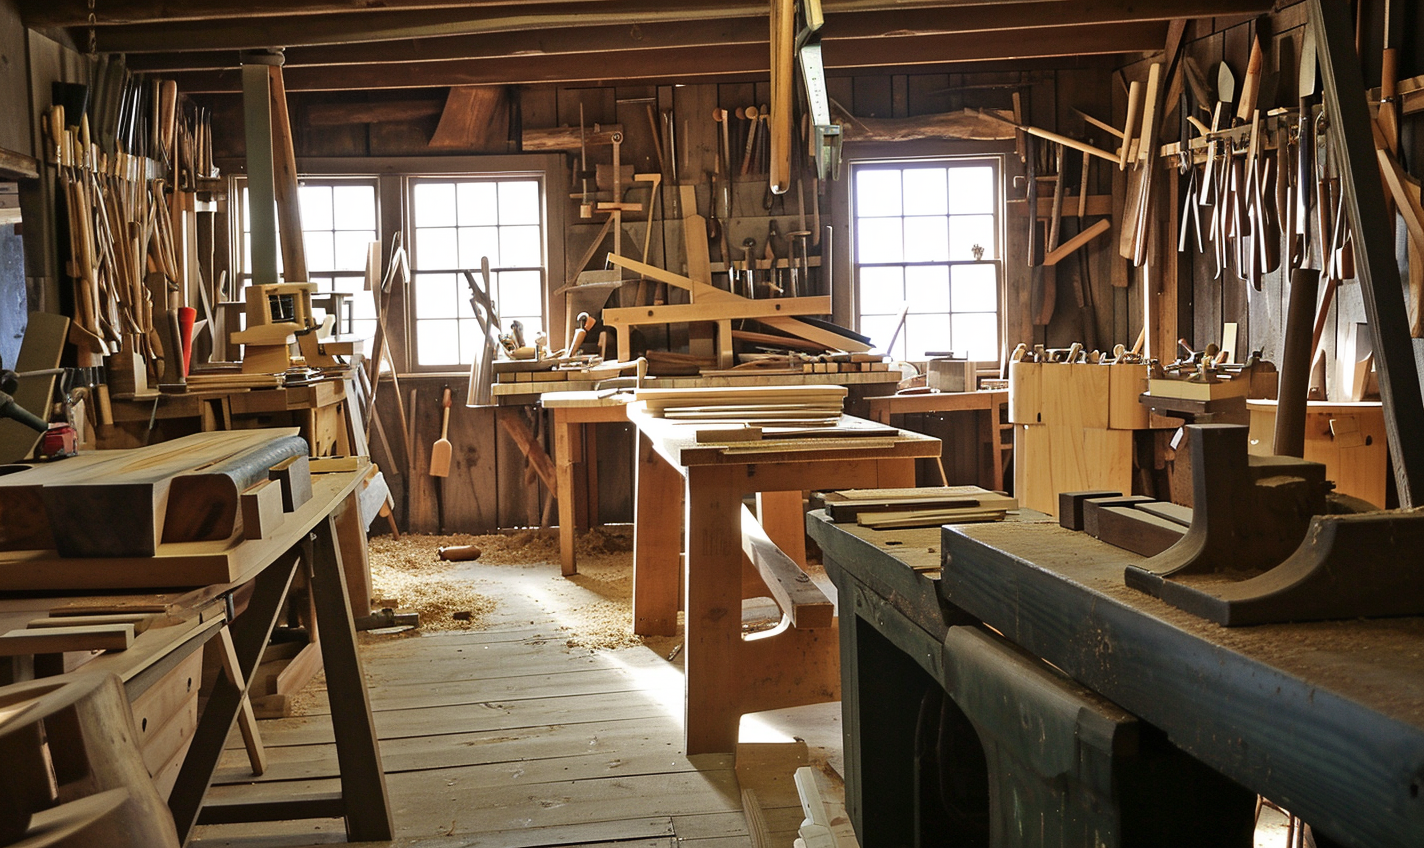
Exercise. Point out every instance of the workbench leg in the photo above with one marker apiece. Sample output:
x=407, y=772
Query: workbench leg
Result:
x=250, y=634
x=363, y=782
x=657, y=543
x=881, y=692
x=991, y=467
x=564, y=459
x=784, y=520
x=713, y=608
x=590, y=473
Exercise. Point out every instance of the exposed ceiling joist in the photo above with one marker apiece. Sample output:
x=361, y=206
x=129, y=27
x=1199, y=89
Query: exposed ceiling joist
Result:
x=75, y=13
x=704, y=61
x=914, y=16
x=653, y=36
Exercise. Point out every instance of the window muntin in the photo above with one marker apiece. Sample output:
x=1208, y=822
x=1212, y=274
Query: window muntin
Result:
x=927, y=240
x=455, y=221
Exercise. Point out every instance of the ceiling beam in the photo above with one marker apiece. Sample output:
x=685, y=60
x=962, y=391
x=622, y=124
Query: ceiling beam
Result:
x=698, y=62
x=67, y=13
x=917, y=16
x=653, y=36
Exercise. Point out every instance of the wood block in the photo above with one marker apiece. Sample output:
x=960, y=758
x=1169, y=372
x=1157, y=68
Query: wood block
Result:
x=1140, y=532
x=294, y=476
x=1093, y=506
x=57, y=640
x=1175, y=513
x=1033, y=478
x=1025, y=393
x=140, y=621
x=1070, y=506
x=1125, y=384
x=262, y=510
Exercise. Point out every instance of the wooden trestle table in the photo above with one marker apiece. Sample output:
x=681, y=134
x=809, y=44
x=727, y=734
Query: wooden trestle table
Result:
x=692, y=491
x=225, y=573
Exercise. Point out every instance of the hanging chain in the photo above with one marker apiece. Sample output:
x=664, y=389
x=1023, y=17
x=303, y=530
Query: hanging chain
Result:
x=93, y=21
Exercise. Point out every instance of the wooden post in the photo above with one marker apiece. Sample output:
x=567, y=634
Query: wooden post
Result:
x=1363, y=203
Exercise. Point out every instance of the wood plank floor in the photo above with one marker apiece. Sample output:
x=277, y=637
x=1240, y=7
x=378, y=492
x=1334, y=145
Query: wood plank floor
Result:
x=508, y=738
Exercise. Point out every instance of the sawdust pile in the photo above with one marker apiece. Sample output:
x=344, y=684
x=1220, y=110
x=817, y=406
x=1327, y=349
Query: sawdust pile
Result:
x=407, y=573
x=605, y=565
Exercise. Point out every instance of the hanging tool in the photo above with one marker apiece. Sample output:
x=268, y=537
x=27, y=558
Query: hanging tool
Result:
x=440, y=458
x=826, y=136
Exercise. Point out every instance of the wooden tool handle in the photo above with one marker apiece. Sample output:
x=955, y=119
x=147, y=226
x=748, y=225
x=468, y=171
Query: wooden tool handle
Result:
x=445, y=422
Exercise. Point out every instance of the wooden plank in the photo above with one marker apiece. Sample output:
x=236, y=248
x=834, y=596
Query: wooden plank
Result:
x=140, y=621
x=1093, y=506
x=790, y=586
x=55, y=640
x=1363, y=204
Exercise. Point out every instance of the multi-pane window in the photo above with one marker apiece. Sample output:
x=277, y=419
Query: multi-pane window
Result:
x=926, y=241
x=339, y=221
x=455, y=223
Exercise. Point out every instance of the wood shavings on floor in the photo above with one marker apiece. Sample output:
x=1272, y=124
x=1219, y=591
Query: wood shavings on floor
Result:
x=594, y=606
x=408, y=574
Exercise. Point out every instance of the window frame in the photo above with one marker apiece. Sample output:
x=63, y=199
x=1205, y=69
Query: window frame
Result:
x=237, y=227
x=896, y=161
x=392, y=172
x=411, y=182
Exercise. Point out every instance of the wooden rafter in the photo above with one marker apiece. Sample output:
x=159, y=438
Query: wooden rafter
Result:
x=692, y=62
x=849, y=18
x=75, y=13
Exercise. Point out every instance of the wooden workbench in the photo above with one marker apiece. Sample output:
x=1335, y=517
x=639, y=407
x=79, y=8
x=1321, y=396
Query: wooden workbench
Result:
x=984, y=404
x=1325, y=719
x=221, y=571
x=319, y=409
x=726, y=674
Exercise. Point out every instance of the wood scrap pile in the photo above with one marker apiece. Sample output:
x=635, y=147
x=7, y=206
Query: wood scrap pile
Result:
x=887, y=509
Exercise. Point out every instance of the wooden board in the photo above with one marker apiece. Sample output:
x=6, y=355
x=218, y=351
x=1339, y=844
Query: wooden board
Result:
x=56, y=640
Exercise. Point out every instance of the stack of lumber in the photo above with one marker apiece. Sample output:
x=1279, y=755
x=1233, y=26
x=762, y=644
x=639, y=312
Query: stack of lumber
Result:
x=763, y=405
x=886, y=509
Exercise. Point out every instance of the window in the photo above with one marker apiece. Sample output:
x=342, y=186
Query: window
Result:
x=339, y=221
x=455, y=222
x=927, y=240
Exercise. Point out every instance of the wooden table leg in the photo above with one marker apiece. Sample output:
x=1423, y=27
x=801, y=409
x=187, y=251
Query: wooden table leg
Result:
x=590, y=470
x=657, y=543
x=363, y=782
x=565, y=446
x=714, y=607
x=250, y=634
x=990, y=469
x=784, y=521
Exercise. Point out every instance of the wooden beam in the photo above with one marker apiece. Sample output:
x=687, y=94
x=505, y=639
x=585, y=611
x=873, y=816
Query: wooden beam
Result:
x=338, y=114
x=703, y=61
x=634, y=18
x=18, y=166
x=1364, y=206
x=75, y=13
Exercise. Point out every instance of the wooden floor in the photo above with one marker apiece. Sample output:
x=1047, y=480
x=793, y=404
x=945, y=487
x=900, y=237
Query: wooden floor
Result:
x=508, y=738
